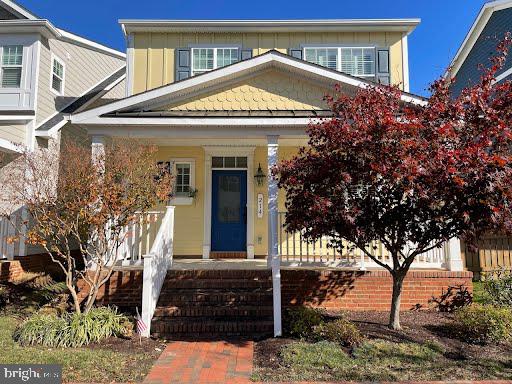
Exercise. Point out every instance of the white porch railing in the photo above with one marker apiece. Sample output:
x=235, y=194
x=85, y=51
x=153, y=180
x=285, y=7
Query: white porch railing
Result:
x=139, y=237
x=295, y=251
x=156, y=263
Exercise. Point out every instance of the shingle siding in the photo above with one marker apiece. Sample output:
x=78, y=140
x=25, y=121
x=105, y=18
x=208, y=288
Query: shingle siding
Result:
x=84, y=68
x=485, y=47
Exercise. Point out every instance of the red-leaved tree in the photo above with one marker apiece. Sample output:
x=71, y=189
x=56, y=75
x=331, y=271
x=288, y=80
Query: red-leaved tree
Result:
x=408, y=176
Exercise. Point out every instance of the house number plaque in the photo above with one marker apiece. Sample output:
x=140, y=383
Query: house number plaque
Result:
x=260, y=205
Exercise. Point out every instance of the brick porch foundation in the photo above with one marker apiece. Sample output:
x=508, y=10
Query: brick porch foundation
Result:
x=330, y=289
x=13, y=270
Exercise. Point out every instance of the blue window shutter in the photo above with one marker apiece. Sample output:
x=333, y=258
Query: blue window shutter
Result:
x=182, y=63
x=245, y=54
x=382, y=72
x=297, y=53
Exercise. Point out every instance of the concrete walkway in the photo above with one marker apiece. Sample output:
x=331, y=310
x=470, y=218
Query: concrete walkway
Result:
x=203, y=362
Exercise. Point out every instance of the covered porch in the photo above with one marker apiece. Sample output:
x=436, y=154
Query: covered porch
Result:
x=222, y=133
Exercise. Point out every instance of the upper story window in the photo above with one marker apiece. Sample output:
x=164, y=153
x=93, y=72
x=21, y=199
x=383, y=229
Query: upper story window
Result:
x=357, y=61
x=57, y=81
x=207, y=59
x=12, y=66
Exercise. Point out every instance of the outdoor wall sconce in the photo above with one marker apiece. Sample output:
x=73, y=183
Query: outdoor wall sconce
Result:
x=260, y=176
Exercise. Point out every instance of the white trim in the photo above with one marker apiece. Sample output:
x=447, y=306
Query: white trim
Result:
x=42, y=26
x=225, y=150
x=9, y=146
x=474, y=33
x=184, y=200
x=130, y=63
x=312, y=25
x=405, y=62
x=270, y=59
x=63, y=79
x=16, y=118
x=500, y=77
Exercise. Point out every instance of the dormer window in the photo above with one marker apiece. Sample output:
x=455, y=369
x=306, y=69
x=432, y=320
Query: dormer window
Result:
x=12, y=66
x=356, y=61
x=207, y=59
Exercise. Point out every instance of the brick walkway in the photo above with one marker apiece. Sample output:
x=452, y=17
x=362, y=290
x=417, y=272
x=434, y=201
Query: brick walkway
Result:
x=219, y=362
x=205, y=362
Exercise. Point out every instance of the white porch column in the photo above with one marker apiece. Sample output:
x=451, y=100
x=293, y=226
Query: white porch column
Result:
x=250, y=206
x=273, y=250
x=454, y=255
x=207, y=230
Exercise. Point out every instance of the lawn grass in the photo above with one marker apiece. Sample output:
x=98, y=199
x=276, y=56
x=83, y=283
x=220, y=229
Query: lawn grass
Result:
x=378, y=360
x=99, y=365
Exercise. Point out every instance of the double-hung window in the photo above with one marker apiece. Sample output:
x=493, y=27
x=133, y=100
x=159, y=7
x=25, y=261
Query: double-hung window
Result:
x=356, y=61
x=12, y=66
x=183, y=171
x=207, y=59
x=57, y=76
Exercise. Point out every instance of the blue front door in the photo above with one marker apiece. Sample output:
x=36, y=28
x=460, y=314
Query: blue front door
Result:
x=229, y=210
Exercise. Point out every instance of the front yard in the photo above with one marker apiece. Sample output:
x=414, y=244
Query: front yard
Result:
x=112, y=360
x=422, y=351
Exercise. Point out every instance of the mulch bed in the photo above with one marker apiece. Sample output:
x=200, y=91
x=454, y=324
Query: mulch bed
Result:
x=418, y=327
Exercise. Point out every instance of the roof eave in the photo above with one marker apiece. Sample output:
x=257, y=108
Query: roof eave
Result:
x=42, y=26
x=329, y=25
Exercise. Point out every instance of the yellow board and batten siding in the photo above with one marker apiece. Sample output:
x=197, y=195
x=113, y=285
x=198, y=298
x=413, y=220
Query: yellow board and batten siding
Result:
x=189, y=219
x=153, y=56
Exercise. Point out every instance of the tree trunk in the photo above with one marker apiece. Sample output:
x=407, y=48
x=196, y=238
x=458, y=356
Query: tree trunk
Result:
x=394, y=316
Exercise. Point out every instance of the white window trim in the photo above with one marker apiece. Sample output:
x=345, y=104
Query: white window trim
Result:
x=61, y=62
x=2, y=66
x=184, y=200
x=338, y=56
x=214, y=57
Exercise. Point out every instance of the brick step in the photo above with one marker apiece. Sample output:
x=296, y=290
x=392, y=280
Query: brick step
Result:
x=218, y=297
x=210, y=312
x=173, y=284
x=220, y=274
x=176, y=328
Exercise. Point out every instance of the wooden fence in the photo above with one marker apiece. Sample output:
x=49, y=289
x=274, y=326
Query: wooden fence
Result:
x=493, y=252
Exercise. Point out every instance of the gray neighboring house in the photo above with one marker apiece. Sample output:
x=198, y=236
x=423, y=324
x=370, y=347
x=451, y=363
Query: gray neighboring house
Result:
x=47, y=73
x=490, y=26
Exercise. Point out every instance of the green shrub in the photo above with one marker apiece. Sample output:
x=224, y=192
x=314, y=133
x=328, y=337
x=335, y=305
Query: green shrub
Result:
x=300, y=321
x=484, y=323
x=340, y=331
x=73, y=329
x=498, y=288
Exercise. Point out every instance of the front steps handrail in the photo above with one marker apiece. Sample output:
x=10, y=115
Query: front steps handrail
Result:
x=156, y=264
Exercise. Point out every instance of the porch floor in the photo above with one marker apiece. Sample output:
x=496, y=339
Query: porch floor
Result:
x=253, y=264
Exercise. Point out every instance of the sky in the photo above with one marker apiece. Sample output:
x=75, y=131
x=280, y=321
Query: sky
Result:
x=444, y=23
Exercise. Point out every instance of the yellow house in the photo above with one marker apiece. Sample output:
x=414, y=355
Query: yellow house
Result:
x=224, y=101
x=218, y=96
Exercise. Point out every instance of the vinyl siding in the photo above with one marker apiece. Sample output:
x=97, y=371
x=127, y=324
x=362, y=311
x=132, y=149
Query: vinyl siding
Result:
x=484, y=48
x=14, y=133
x=83, y=69
x=153, y=53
